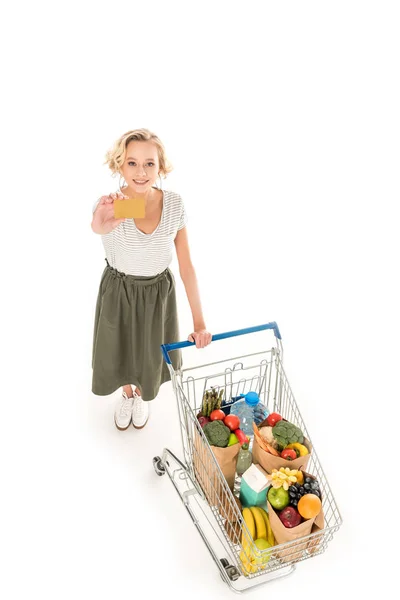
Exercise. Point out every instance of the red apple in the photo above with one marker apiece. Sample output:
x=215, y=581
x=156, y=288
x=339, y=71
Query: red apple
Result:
x=290, y=517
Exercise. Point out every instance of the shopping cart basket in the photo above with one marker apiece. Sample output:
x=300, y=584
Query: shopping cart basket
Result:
x=198, y=478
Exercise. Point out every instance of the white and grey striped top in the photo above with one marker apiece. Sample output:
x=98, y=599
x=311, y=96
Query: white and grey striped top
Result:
x=133, y=252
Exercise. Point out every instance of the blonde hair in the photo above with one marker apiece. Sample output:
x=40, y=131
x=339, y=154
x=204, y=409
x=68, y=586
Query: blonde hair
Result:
x=116, y=156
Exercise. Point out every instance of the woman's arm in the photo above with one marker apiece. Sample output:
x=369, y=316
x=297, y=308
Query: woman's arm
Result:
x=188, y=276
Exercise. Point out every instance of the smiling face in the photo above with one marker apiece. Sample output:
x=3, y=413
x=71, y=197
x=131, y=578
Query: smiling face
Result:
x=141, y=166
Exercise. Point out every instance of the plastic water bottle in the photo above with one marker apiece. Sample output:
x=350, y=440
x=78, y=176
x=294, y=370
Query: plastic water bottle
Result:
x=245, y=409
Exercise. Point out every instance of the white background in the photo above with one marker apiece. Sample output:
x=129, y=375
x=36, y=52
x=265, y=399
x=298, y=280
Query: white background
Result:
x=282, y=123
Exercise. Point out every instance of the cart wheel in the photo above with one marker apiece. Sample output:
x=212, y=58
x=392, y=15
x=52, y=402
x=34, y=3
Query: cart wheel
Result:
x=231, y=571
x=158, y=466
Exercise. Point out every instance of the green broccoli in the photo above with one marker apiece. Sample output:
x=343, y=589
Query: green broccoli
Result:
x=286, y=433
x=217, y=433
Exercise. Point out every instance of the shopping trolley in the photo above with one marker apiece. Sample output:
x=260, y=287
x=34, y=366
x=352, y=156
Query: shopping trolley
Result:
x=198, y=478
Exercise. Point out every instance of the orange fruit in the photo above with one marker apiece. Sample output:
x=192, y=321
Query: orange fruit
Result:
x=309, y=506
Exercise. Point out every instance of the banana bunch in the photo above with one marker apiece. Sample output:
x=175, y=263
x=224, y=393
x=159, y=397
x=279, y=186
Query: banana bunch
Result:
x=257, y=521
x=285, y=477
x=211, y=401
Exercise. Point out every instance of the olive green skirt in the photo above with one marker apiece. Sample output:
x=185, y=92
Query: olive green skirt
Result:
x=134, y=316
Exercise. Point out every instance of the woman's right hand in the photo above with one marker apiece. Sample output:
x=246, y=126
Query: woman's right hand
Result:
x=103, y=217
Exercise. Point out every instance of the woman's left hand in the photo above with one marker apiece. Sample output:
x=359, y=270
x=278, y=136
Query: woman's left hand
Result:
x=202, y=337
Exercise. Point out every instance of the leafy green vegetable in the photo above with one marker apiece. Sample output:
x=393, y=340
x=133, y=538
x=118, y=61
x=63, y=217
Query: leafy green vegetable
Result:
x=286, y=433
x=217, y=433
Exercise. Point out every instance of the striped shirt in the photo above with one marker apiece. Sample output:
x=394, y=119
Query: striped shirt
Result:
x=133, y=252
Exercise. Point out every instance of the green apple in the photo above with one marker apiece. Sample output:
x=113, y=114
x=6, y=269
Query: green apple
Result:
x=232, y=440
x=261, y=559
x=278, y=497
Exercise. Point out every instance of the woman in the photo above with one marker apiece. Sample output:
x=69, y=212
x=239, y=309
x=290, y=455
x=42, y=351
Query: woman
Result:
x=136, y=308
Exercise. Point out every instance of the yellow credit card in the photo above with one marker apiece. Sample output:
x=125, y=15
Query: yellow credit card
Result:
x=131, y=208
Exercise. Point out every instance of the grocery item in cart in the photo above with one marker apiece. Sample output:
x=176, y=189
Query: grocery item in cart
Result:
x=245, y=459
x=245, y=409
x=212, y=400
x=233, y=525
x=253, y=556
x=284, y=531
x=269, y=457
x=204, y=466
x=254, y=486
x=261, y=412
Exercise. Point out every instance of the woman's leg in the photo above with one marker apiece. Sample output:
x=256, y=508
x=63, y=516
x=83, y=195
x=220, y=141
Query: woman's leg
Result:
x=128, y=390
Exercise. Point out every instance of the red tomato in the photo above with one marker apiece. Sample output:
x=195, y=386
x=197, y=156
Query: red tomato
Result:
x=273, y=419
x=217, y=415
x=232, y=421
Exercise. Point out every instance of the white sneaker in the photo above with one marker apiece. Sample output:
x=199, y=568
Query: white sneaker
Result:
x=140, y=411
x=123, y=412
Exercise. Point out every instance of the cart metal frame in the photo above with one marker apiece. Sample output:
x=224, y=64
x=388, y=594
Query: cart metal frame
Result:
x=198, y=478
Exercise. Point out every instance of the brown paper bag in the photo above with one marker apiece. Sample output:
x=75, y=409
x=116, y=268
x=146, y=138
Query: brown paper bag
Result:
x=233, y=524
x=207, y=474
x=284, y=534
x=269, y=461
x=318, y=527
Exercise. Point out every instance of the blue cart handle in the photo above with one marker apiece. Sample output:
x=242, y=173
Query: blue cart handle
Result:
x=220, y=336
